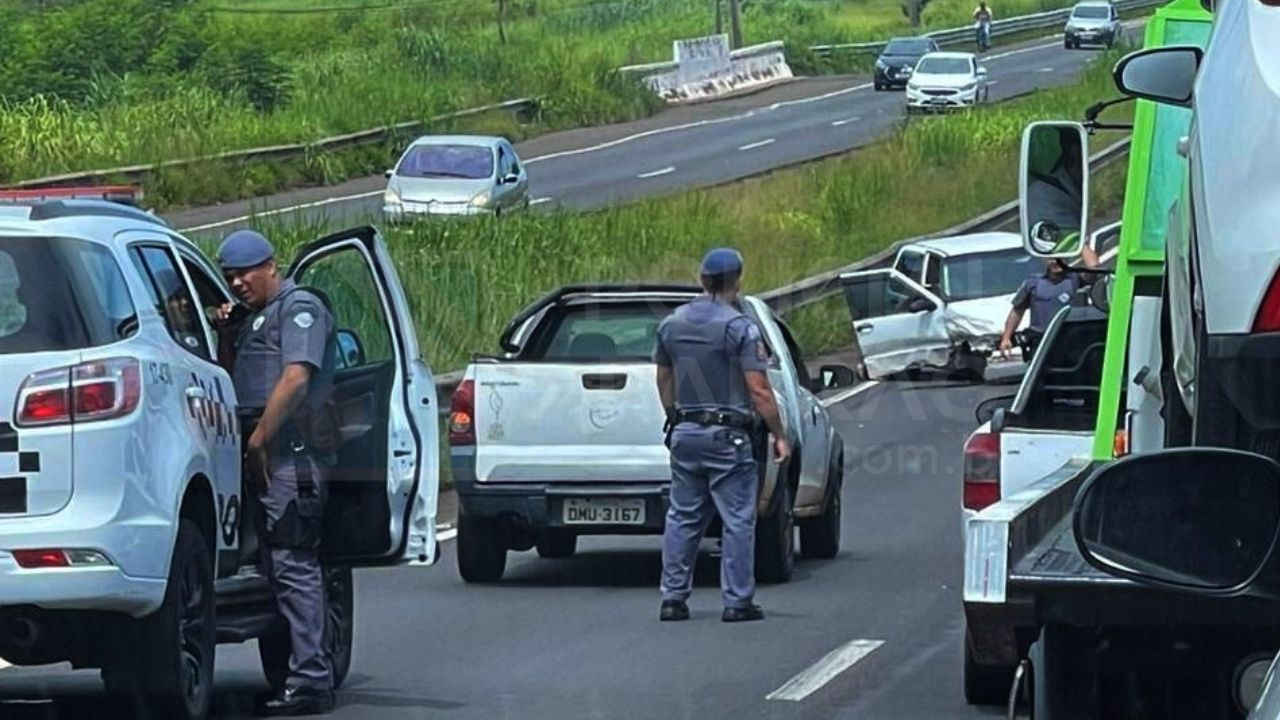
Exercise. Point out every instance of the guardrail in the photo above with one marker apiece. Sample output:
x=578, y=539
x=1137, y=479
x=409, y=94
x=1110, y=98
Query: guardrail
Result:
x=818, y=287
x=1008, y=26
x=140, y=173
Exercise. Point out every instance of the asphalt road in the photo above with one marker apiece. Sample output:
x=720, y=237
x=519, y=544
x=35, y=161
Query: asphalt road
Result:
x=579, y=638
x=686, y=147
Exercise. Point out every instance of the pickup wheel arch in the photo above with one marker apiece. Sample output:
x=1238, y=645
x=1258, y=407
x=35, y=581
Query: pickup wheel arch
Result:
x=199, y=506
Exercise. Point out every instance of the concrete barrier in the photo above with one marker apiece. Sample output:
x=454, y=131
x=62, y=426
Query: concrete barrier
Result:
x=706, y=68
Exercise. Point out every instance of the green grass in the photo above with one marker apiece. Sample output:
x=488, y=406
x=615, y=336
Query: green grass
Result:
x=139, y=81
x=465, y=279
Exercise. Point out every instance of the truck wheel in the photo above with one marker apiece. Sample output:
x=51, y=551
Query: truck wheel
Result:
x=274, y=649
x=169, y=664
x=775, y=539
x=1063, y=669
x=482, y=554
x=557, y=544
x=820, y=537
x=985, y=684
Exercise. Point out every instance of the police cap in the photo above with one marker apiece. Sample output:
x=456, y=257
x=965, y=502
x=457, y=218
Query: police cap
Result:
x=722, y=261
x=244, y=249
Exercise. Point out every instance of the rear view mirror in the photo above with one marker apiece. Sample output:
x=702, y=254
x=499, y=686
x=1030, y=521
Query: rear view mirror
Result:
x=987, y=408
x=1164, y=74
x=1197, y=519
x=834, y=377
x=350, y=349
x=1054, y=188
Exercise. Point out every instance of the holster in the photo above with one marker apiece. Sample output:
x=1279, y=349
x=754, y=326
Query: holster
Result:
x=300, y=525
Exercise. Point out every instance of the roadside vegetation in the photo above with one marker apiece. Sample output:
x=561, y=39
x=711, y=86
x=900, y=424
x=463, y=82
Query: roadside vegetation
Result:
x=465, y=280
x=90, y=84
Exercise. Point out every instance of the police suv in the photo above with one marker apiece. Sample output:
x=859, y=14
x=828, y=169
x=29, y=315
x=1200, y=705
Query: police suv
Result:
x=123, y=541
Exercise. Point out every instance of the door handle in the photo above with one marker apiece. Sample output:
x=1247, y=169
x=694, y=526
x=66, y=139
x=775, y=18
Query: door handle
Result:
x=864, y=327
x=196, y=392
x=402, y=453
x=604, y=381
x=813, y=410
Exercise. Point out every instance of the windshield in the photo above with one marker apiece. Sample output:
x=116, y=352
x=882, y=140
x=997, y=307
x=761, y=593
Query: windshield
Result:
x=907, y=47
x=600, y=332
x=468, y=162
x=986, y=275
x=1092, y=12
x=60, y=294
x=945, y=66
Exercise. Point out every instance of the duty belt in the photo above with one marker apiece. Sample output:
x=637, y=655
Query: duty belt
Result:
x=739, y=420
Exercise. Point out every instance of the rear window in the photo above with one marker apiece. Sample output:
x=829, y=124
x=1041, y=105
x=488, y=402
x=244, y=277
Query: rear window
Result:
x=60, y=294
x=989, y=274
x=601, y=332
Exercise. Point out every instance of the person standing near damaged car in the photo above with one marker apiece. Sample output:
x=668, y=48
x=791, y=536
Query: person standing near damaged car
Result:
x=712, y=373
x=283, y=376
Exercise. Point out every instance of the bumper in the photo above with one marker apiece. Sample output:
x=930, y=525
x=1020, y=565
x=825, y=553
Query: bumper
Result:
x=891, y=78
x=1089, y=37
x=105, y=589
x=413, y=211
x=537, y=506
x=921, y=100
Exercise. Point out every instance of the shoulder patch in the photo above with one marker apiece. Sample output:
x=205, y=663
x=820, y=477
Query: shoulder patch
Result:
x=304, y=319
x=258, y=321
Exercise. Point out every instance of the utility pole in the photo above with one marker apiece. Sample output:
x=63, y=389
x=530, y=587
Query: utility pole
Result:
x=502, y=11
x=719, y=16
x=735, y=25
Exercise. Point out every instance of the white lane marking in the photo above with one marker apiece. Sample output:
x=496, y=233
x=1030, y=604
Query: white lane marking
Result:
x=824, y=671
x=539, y=201
x=1046, y=70
x=846, y=121
x=639, y=136
x=824, y=96
x=855, y=390
x=280, y=211
x=657, y=173
x=754, y=145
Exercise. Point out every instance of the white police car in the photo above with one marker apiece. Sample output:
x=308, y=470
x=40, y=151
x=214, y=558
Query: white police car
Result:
x=123, y=544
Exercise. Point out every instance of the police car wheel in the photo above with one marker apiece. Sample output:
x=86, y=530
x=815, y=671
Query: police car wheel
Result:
x=775, y=539
x=170, y=667
x=820, y=536
x=482, y=550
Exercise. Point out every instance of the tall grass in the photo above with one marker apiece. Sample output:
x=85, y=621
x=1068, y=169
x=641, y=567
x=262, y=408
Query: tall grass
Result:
x=139, y=81
x=465, y=280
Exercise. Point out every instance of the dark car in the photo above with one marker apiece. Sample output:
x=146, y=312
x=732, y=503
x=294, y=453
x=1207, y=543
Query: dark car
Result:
x=899, y=57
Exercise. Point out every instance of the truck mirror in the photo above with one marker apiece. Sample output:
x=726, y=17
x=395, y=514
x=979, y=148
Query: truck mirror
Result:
x=1164, y=74
x=1193, y=519
x=1100, y=293
x=1054, y=188
x=834, y=377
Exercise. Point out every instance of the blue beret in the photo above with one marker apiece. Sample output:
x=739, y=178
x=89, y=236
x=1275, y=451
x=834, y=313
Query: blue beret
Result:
x=722, y=261
x=244, y=249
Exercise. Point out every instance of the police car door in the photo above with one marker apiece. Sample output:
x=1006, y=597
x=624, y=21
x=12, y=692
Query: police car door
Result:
x=897, y=322
x=382, y=493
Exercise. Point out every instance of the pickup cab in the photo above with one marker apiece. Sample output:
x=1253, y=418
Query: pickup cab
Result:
x=562, y=435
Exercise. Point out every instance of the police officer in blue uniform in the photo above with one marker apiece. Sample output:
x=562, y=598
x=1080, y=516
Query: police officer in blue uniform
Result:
x=712, y=380
x=283, y=376
x=1044, y=295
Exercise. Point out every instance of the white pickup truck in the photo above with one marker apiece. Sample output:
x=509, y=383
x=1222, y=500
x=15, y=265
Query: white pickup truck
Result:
x=562, y=435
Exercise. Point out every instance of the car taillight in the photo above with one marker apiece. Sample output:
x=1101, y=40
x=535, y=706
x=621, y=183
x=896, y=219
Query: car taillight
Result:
x=96, y=390
x=1268, y=317
x=462, y=427
x=59, y=558
x=981, y=471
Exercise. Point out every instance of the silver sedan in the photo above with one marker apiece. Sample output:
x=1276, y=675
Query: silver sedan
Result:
x=455, y=175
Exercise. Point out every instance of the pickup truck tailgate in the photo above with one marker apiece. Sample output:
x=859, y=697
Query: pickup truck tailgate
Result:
x=565, y=422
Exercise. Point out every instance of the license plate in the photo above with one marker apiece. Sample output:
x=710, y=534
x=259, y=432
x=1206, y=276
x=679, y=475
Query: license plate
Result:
x=603, y=511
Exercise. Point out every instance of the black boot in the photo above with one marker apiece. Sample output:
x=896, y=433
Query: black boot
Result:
x=294, y=701
x=743, y=614
x=673, y=610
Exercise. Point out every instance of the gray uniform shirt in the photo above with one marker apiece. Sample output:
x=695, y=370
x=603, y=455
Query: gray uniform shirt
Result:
x=708, y=345
x=293, y=327
x=1045, y=297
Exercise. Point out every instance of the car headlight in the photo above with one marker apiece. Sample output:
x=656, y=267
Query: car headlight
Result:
x=391, y=197
x=481, y=200
x=881, y=64
x=967, y=87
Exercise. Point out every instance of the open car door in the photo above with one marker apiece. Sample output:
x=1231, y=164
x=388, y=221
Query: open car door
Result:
x=382, y=500
x=898, y=323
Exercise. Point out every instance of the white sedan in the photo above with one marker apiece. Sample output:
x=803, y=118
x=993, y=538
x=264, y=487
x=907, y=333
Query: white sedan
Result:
x=945, y=80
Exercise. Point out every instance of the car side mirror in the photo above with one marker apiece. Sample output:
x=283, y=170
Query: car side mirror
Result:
x=834, y=377
x=510, y=179
x=388, y=173
x=350, y=349
x=1053, y=189
x=1204, y=520
x=988, y=408
x=1162, y=74
x=982, y=71
x=920, y=304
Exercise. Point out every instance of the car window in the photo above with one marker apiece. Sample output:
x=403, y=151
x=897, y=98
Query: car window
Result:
x=877, y=295
x=61, y=294
x=911, y=264
x=172, y=297
x=945, y=66
x=968, y=277
x=512, y=159
x=607, y=331
x=346, y=280
x=428, y=160
x=797, y=357
x=933, y=272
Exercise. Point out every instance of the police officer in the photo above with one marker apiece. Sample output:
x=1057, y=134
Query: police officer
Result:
x=712, y=368
x=1044, y=295
x=283, y=366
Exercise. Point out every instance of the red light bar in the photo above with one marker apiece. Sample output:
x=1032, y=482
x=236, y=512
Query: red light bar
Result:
x=127, y=194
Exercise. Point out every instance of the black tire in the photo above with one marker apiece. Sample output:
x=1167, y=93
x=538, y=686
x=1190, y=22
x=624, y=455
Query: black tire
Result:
x=985, y=684
x=775, y=538
x=274, y=650
x=879, y=87
x=554, y=544
x=170, y=659
x=1066, y=44
x=820, y=536
x=482, y=551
